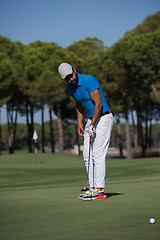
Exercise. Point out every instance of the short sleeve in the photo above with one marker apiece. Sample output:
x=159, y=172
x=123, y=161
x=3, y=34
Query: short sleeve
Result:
x=92, y=84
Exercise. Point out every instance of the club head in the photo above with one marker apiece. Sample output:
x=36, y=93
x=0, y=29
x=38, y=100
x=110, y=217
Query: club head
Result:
x=85, y=189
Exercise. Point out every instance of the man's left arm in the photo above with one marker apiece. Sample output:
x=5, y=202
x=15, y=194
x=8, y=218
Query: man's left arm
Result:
x=96, y=98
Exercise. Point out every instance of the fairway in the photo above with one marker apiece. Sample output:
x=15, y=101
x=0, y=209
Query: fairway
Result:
x=38, y=199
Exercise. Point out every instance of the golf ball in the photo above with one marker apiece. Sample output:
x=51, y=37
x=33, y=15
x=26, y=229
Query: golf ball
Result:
x=152, y=220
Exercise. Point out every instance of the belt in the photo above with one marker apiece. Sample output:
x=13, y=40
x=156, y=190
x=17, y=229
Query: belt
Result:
x=103, y=114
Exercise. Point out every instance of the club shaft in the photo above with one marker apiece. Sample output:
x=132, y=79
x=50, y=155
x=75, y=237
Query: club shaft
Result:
x=90, y=142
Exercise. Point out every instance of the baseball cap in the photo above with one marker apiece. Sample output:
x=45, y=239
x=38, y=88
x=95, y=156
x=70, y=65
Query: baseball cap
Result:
x=64, y=69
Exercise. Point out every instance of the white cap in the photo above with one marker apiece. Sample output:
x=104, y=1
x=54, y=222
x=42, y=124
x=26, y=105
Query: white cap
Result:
x=64, y=69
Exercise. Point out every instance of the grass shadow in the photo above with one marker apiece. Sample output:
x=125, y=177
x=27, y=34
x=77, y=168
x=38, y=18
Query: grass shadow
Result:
x=113, y=194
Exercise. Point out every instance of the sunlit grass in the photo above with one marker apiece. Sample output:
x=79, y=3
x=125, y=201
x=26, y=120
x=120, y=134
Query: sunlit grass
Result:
x=38, y=199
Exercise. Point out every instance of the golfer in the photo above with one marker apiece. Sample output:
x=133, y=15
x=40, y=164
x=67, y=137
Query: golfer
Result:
x=89, y=97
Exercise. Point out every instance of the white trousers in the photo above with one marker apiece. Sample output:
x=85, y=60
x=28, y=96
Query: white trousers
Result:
x=98, y=151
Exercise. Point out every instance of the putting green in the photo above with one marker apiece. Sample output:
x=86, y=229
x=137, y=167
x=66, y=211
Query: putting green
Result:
x=38, y=199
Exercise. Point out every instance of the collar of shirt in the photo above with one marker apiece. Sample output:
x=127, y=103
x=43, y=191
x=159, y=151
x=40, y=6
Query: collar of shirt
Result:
x=79, y=79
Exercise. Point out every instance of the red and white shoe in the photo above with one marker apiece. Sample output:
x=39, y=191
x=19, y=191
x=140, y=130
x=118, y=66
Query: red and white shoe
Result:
x=99, y=194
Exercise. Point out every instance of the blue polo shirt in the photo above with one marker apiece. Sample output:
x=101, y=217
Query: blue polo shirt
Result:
x=86, y=85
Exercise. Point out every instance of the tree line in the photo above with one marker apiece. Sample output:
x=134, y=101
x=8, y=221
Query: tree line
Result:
x=128, y=72
x=70, y=138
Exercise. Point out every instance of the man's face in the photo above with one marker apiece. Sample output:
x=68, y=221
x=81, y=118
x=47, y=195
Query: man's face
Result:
x=72, y=78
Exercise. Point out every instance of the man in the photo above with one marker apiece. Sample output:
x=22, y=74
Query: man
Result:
x=89, y=96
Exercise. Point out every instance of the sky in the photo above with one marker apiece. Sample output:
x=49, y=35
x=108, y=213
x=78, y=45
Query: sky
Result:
x=67, y=21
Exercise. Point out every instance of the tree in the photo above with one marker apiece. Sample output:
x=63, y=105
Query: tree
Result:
x=47, y=87
x=149, y=25
x=87, y=47
x=134, y=55
x=11, y=70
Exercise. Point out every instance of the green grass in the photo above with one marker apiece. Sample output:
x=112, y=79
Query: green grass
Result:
x=38, y=199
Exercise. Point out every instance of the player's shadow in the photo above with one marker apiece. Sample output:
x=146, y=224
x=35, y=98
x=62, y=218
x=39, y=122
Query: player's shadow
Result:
x=113, y=194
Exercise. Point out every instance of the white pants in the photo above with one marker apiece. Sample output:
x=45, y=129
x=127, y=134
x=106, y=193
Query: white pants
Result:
x=98, y=151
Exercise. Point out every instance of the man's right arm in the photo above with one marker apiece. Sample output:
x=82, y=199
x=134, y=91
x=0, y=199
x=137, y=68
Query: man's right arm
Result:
x=80, y=114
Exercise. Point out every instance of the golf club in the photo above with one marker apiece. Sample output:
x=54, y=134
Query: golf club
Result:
x=90, y=144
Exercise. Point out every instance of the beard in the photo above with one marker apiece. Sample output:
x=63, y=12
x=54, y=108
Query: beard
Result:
x=75, y=81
